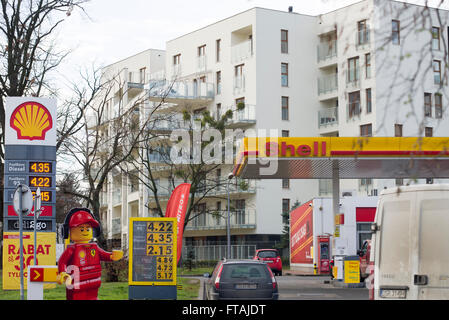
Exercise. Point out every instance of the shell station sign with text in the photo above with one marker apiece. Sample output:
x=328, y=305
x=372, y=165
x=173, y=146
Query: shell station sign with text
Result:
x=30, y=159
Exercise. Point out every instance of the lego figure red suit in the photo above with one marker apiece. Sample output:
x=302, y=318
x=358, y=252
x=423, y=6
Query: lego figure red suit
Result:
x=79, y=266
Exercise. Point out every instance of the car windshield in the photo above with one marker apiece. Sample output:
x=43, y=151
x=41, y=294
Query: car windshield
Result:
x=236, y=271
x=267, y=254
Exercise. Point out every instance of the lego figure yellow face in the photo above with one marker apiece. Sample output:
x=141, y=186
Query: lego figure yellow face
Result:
x=82, y=233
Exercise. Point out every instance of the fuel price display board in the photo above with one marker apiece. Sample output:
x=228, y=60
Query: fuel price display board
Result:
x=152, y=247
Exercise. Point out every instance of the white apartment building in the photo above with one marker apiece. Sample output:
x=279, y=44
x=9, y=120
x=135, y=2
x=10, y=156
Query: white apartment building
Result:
x=374, y=68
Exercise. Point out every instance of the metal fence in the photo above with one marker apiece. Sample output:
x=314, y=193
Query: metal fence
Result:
x=217, y=252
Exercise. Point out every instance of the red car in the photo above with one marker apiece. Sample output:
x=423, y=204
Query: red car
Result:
x=271, y=258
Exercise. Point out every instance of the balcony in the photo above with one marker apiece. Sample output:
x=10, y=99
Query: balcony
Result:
x=116, y=226
x=328, y=87
x=241, y=51
x=353, y=110
x=117, y=197
x=181, y=92
x=362, y=39
x=244, y=117
x=240, y=219
x=328, y=117
x=327, y=53
x=136, y=80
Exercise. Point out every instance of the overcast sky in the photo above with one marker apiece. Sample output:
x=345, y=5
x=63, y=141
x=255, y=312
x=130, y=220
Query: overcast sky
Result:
x=116, y=29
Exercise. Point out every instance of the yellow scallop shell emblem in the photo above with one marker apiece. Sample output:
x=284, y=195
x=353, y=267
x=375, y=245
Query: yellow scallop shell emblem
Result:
x=31, y=120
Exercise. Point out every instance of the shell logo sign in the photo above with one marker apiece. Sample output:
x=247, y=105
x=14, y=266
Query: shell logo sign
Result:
x=31, y=120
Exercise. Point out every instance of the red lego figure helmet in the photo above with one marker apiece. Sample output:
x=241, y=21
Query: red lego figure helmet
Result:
x=79, y=216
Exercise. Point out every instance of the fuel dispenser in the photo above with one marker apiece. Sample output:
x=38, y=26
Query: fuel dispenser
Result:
x=323, y=255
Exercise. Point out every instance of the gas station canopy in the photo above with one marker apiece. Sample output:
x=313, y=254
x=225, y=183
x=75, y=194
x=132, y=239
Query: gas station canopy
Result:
x=352, y=157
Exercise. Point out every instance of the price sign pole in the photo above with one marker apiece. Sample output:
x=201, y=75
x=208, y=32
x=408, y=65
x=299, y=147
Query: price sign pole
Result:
x=23, y=203
x=37, y=212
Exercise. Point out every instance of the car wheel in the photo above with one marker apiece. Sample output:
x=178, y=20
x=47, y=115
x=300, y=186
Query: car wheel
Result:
x=280, y=273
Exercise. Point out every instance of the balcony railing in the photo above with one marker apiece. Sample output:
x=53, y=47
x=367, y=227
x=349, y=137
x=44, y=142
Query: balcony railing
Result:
x=241, y=51
x=180, y=89
x=116, y=226
x=239, y=219
x=117, y=196
x=246, y=115
x=327, y=84
x=327, y=50
x=328, y=117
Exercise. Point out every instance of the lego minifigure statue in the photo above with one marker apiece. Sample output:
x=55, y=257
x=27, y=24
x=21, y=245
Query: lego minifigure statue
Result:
x=79, y=265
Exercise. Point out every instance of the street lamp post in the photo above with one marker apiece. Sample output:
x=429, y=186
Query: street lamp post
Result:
x=228, y=225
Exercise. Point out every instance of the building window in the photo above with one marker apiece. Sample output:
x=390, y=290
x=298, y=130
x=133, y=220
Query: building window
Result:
x=398, y=130
x=436, y=71
x=218, y=84
x=435, y=38
x=284, y=74
x=427, y=104
x=176, y=59
x=366, y=130
x=368, y=101
x=353, y=69
x=285, y=133
x=285, y=183
x=284, y=102
x=239, y=81
x=354, y=104
x=218, y=216
x=217, y=49
x=284, y=41
x=285, y=210
x=218, y=111
x=142, y=75
x=429, y=180
x=428, y=131
x=202, y=51
x=395, y=32
x=362, y=32
x=368, y=65
x=438, y=106
x=399, y=182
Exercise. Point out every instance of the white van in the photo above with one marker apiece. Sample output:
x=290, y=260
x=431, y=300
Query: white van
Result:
x=411, y=243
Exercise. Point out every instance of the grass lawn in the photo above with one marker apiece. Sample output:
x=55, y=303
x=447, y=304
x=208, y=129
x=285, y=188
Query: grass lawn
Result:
x=108, y=291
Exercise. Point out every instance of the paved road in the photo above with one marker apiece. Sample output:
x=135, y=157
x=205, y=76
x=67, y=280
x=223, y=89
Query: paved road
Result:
x=315, y=288
x=310, y=288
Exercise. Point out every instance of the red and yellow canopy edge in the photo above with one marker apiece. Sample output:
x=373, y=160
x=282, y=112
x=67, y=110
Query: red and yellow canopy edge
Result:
x=328, y=147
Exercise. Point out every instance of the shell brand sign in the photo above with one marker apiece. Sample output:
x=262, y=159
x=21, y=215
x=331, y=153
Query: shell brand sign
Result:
x=31, y=121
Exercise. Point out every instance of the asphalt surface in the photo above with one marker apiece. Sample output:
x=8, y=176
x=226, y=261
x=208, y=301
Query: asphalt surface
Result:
x=293, y=287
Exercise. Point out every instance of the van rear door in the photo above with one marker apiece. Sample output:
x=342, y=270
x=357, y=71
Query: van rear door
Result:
x=432, y=279
x=396, y=228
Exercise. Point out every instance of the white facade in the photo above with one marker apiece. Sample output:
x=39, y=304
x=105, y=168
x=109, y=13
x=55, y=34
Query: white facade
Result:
x=326, y=91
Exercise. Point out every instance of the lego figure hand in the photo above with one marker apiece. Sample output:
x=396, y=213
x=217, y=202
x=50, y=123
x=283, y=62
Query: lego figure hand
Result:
x=64, y=277
x=116, y=255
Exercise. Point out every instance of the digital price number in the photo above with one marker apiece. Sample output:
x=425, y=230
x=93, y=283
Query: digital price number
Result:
x=38, y=181
x=160, y=244
x=45, y=196
x=40, y=167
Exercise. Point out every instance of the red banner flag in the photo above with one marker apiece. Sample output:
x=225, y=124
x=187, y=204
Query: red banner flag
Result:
x=177, y=207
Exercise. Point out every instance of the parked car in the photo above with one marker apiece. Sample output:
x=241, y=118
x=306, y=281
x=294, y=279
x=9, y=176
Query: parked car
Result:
x=240, y=279
x=410, y=243
x=272, y=258
x=364, y=254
